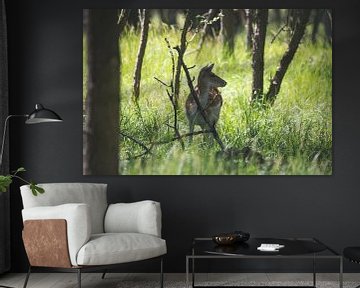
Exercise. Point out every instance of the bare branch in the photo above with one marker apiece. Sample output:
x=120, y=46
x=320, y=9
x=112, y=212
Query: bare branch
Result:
x=148, y=150
x=162, y=82
x=282, y=29
x=172, y=65
x=170, y=126
x=137, y=156
x=213, y=16
x=122, y=19
x=171, y=94
x=278, y=33
x=182, y=49
x=183, y=136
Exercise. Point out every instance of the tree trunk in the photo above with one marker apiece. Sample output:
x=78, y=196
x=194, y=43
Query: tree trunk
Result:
x=185, y=29
x=101, y=145
x=133, y=18
x=249, y=28
x=301, y=19
x=277, y=16
x=207, y=30
x=145, y=21
x=168, y=16
x=328, y=24
x=259, y=33
x=122, y=19
x=318, y=13
x=228, y=28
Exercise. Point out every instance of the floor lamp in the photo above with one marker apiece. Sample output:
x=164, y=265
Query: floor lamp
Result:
x=39, y=115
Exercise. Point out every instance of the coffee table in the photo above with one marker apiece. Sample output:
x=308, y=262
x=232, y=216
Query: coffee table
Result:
x=294, y=248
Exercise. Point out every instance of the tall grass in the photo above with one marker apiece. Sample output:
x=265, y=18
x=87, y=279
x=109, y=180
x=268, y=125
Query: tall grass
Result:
x=293, y=137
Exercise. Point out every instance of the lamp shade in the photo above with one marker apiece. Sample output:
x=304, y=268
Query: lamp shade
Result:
x=42, y=115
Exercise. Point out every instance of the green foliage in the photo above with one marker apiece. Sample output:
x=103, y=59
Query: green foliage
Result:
x=21, y=169
x=6, y=180
x=293, y=137
x=36, y=189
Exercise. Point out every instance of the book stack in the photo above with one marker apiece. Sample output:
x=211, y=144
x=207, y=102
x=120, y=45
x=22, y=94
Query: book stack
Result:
x=270, y=247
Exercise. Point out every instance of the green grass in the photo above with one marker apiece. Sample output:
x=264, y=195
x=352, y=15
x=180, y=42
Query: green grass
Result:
x=294, y=136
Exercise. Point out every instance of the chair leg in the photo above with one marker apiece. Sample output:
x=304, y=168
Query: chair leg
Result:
x=79, y=277
x=161, y=273
x=103, y=275
x=27, y=277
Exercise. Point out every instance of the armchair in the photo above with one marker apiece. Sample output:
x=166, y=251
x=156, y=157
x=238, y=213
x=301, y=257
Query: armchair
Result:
x=71, y=228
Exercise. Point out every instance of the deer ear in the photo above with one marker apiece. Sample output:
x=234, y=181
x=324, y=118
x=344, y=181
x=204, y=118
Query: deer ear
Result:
x=210, y=66
x=205, y=67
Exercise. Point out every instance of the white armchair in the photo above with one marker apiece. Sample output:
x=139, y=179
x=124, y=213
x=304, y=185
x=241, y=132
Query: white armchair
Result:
x=72, y=228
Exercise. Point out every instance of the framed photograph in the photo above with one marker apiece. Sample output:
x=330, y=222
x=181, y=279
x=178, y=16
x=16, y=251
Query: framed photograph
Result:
x=207, y=91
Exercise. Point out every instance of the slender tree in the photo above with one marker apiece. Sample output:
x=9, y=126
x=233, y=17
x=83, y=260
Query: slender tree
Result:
x=260, y=18
x=277, y=16
x=207, y=30
x=123, y=19
x=301, y=18
x=183, y=44
x=328, y=25
x=168, y=16
x=249, y=28
x=133, y=18
x=317, y=15
x=101, y=145
x=228, y=28
x=145, y=21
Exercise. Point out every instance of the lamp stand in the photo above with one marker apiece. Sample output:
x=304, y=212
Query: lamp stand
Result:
x=4, y=135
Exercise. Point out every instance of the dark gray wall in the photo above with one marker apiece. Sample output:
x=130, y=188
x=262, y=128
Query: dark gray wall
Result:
x=45, y=50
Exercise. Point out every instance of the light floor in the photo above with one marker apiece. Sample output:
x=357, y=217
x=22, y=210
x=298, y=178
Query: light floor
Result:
x=113, y=280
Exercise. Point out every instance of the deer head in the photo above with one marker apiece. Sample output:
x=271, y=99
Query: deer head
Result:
x=209, y=79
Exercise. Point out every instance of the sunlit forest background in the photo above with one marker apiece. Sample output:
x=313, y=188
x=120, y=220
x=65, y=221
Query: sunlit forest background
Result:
x=290, y=134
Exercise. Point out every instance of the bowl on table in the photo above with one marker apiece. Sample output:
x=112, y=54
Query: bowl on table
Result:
x=231, y=238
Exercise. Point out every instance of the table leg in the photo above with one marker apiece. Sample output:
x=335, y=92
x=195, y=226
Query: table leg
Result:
x=193, y=272
x=187, y=272
x=193, y=268
x=314, y=271
x=341, y=273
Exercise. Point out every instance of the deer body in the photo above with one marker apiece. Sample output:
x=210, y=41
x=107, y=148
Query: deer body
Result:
x=209, y=97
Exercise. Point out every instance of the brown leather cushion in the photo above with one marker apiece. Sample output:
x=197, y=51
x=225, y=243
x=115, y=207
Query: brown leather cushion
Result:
x=45, y=243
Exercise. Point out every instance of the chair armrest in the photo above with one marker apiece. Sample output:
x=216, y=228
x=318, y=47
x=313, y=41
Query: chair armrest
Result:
x=78, y=223
x=52, y=250
x=138, y=217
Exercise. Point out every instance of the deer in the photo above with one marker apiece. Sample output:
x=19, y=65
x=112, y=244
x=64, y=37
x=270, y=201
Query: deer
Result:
x=209, y=97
